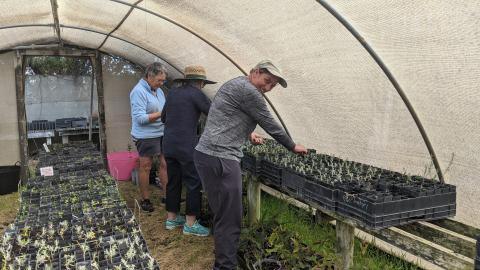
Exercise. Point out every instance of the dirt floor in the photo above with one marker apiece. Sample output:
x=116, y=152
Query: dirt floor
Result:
x=171, y=249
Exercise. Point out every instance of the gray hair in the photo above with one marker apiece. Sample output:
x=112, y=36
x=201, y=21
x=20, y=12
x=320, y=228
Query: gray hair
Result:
x=154, y=69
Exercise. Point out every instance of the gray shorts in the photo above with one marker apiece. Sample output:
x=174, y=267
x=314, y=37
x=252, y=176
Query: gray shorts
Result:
x=149, y=147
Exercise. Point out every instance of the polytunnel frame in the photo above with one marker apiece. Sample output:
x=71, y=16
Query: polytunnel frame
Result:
x=362, y=41
x=328, y=7
x=392, y=79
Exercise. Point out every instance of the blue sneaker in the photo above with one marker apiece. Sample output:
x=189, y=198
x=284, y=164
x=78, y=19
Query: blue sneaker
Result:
x=195, y=229
x=177, y=222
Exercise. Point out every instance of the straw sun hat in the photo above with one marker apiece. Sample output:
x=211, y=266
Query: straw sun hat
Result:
x=195, y=73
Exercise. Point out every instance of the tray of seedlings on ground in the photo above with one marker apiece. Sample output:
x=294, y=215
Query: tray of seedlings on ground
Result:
x=376, y=197
x=74, y=219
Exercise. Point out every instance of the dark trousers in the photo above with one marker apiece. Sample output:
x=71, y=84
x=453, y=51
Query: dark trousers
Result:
x=183, y=170
x=222, y=181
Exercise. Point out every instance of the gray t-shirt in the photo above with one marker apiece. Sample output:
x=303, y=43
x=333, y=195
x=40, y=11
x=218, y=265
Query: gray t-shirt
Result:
x=236, y=110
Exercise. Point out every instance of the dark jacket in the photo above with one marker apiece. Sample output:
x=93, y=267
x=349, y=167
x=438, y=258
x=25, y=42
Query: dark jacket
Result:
x=180, y=115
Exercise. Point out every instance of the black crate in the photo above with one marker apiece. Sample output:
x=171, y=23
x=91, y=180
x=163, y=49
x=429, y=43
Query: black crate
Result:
x=271, y=173
x=319, y=193
x=385, y=211
x=40, y=125
x=63, y=123
x=251, y=164
x=293, y=183
x=80, y=122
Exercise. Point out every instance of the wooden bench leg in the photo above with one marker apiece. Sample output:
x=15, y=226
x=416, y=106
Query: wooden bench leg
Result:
x=345, y=244
x=253, y=195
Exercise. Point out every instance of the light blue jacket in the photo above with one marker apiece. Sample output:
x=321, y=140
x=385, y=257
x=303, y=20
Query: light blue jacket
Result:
x=143, y=101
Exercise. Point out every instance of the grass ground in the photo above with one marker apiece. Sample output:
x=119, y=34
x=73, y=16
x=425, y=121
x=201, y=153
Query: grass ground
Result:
x=174, y=251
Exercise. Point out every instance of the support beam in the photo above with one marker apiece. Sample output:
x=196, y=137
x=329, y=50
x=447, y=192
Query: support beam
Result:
x=21, y=114
x=56, y=21
x=97, y=68
x=61, y=52
x=90, y=119
x=344, y=245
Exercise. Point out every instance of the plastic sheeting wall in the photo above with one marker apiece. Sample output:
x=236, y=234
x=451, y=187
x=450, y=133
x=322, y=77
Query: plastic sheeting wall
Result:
x=53, y=97
x=117, y=109
x=9, y=140
x=338, y=101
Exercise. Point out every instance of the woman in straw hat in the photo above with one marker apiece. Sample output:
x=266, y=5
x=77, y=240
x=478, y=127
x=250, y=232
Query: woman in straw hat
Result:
x=180, y=115
x=236, y=110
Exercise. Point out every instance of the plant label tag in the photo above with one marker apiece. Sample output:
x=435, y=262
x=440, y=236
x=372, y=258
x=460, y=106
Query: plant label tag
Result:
x=46, y=171
x=46, y=148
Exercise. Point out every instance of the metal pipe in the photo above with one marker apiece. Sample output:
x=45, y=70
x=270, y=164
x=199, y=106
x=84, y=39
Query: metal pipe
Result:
x=119, y=24
x=392, y=79
x=211, y=45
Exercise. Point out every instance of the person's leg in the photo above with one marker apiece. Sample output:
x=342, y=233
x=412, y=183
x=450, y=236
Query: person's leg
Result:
x=174, y=188
x=221, y=179
x=143, y=175
x=162, y=174
x=194, y=197
x=144, y=180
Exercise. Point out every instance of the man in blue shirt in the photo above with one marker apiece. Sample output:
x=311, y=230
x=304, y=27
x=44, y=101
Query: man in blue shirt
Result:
x=146, y=103
x=180, y=115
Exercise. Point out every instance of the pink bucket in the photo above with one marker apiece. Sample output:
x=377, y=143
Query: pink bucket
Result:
x=121, y=164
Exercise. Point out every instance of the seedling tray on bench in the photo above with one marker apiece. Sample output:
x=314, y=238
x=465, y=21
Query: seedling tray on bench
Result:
x=380, y=210
x=251, y=164
x=319, y=193
x=271, y=174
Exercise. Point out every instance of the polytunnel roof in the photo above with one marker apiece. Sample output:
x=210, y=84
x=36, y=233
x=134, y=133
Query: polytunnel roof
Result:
x=404, y=75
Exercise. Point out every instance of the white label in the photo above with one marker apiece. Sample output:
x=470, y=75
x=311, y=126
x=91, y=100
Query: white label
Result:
x=46, y=171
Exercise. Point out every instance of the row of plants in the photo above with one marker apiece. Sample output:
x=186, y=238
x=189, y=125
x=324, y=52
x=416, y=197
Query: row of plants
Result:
x=74, y=219
x=376, y=197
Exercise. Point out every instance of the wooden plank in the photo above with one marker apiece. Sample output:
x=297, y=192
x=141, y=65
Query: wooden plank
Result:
x=344, y=245
x=97, y=68
x=440, y=236
x=428, y=250
x=395, y=251
x=64, y=51
x=254, y=200
x=21, y=114
x=449, y=232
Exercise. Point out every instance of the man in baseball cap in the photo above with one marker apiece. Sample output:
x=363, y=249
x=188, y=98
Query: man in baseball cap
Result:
x=236, y=110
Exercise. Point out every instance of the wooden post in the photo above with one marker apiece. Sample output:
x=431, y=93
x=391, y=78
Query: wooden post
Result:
x=322, y=218
x=21, y=114
x=97, y=67
x=253, y=195
x=345, y=244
